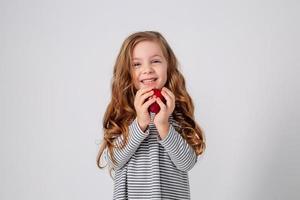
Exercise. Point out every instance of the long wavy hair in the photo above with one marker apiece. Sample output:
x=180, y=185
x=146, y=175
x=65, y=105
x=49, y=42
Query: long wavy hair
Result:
x=120, y=111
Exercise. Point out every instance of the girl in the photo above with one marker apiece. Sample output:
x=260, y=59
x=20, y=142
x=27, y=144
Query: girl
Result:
x=150, y=153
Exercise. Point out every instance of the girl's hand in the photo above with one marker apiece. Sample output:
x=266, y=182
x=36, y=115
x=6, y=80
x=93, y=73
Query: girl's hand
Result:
x=161, y=119
x=141, y=105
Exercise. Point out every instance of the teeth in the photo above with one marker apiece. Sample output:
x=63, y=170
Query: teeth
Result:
x=148, y=80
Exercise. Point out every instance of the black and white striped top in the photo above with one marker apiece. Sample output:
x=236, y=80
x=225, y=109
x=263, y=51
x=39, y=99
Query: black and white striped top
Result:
x=150, y=168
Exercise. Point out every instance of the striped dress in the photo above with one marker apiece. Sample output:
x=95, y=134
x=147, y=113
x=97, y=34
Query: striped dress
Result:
x=151, y=168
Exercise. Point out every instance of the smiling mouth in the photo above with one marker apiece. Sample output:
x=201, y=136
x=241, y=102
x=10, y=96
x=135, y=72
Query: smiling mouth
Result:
x=145, y=81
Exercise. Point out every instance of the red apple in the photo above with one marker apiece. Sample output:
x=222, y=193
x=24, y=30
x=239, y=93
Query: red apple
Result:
x=155, y=106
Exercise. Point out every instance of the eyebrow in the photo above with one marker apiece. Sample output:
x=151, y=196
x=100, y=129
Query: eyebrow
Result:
x=150, y=57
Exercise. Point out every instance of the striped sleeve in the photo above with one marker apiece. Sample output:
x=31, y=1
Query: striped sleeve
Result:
x=122, y=155
x=181, y=153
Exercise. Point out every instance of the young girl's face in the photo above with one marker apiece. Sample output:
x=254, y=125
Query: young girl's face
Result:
x=149, y=65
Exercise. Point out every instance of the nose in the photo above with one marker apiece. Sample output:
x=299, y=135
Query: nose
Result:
x=147, y=68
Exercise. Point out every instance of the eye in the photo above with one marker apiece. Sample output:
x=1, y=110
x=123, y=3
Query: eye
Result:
x=136, y=64
x=156, y=61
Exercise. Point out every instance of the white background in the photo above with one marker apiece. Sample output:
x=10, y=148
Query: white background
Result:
x=240, y=60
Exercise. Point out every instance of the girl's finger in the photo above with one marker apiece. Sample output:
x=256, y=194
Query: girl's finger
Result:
x=140, y=98
x=144, y=97
x=169, y=92
x=148, y=103
x=171, y=102
x=167, y=97
x=161, y=104
x=144, y=90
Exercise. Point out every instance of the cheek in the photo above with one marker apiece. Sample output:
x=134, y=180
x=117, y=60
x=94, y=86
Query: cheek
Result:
x=164, y=74
x=136, y=81
x=134, y=76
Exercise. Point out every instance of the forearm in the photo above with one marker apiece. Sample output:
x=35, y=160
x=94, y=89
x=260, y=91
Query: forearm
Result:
x=122, y=155
x=181, y=153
